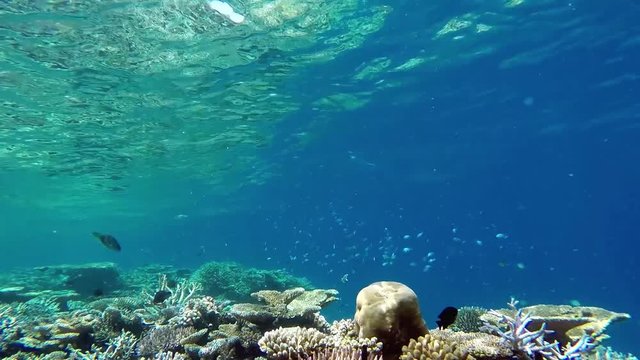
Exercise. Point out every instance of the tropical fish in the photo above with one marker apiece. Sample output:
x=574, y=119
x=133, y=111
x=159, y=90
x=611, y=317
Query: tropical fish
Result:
x=161, y=296
x=447, y=317
x=108, y=241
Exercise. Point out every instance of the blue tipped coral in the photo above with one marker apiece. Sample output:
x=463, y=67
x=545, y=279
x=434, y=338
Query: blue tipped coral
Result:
x=528, y=344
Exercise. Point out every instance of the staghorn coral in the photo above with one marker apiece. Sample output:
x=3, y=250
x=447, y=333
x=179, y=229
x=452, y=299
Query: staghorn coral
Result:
x=181, y=293
x=292, y=343
x=468, y=319
x=121, y=347
x=567, y=324
x=163, y=338
x=428, y=347
x=529, y=344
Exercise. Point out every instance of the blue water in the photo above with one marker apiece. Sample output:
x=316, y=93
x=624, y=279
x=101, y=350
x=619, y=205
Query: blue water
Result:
x=505, y=166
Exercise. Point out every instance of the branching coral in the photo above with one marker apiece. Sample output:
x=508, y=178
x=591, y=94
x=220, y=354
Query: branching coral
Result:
x=180, y=294
x=528, y=343
x=163, y=338
x=120, y=348
x=198, y=312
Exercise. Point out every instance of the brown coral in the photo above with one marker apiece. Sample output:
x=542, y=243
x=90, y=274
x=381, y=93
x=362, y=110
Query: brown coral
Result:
x=477, y=344
x=389, y=311
x=429, y=347
x=292, y=343
x=293, y=307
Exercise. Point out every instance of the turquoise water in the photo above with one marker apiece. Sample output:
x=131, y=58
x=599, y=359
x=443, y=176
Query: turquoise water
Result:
x=473, y=150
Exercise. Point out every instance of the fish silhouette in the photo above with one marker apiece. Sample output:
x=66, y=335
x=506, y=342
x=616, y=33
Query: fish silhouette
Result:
x=108, y=241
x=161, y=296
x=447, y=317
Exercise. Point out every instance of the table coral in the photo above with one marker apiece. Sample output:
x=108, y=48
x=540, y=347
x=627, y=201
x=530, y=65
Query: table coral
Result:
x=284, y=308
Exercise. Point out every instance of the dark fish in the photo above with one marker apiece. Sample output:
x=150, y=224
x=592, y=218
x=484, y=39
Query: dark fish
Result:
x=98, y=292
x=364, y=353
x=161, y=296
x=108, y=241
x=447, y=317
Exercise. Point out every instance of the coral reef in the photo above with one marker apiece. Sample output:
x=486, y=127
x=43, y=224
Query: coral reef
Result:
x=132, y=322
x=567, y=323
x=532, y=344
x=293, y=307
x=231, y=281
x=292, y=343
x=62, y=282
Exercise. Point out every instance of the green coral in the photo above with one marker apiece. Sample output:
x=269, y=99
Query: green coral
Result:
x=232, y=281
x=468, y=319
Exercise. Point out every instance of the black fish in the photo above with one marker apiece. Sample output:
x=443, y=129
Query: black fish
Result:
x=108, y=241
x=447, y=317
x=98, y=292
x=364, y=353
x=161, y=296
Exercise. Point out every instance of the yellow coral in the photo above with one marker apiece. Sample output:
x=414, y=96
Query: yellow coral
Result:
x=292, y=343
x=428, y=347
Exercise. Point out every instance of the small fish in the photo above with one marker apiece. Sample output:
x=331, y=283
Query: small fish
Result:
x=108, y=241
x=98, y=292
x=161, y=296
x=447, y=317
x=345, y=278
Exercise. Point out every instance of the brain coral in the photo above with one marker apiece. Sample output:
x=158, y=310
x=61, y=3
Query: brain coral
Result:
x=389, y=311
